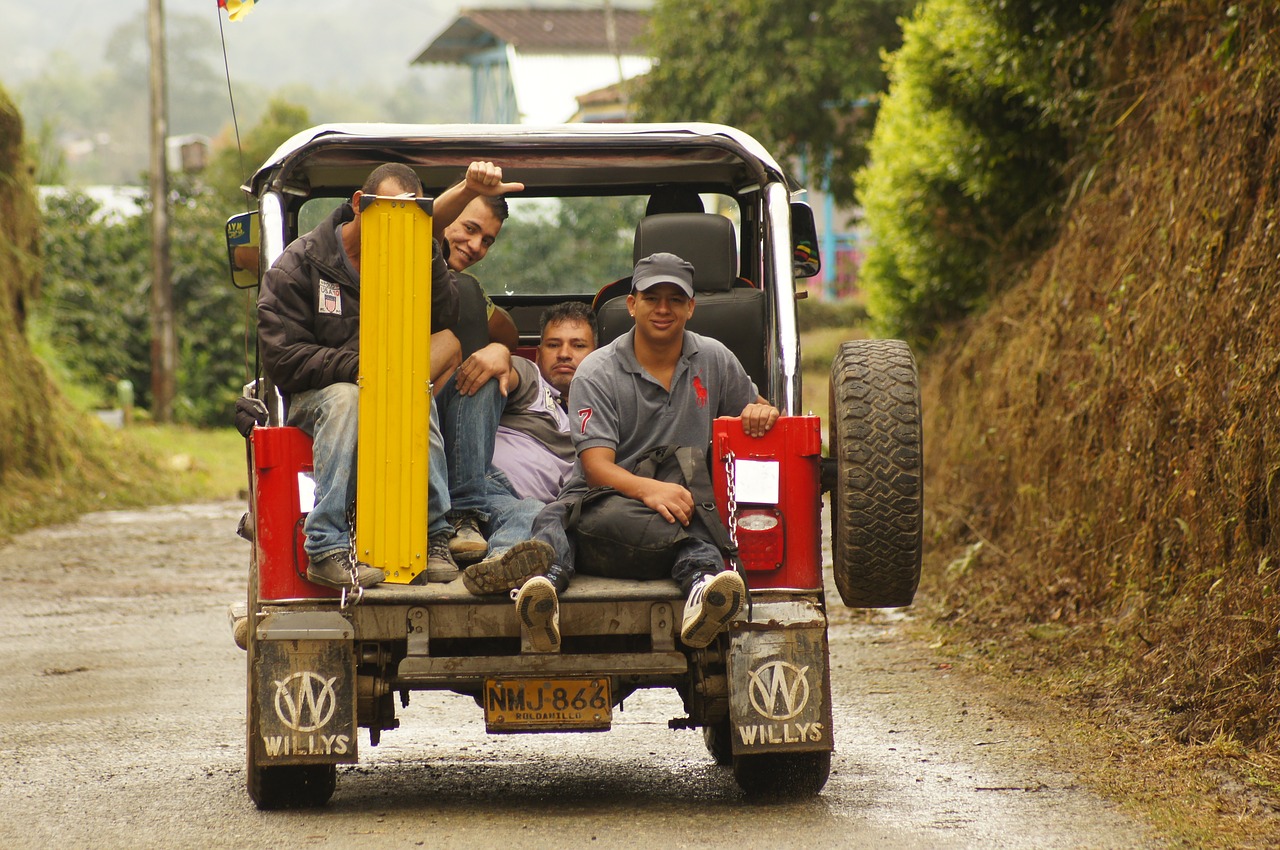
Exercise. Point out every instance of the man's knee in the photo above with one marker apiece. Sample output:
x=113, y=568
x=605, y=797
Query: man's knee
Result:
x=342, y=399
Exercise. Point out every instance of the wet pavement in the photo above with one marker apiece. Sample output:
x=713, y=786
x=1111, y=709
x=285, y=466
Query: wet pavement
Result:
x=122, y=710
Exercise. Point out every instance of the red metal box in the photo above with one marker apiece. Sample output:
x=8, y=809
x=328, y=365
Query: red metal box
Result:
x=775, y=511
x=281, y=474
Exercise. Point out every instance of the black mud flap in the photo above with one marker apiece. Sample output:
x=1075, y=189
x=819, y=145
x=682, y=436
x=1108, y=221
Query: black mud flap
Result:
x=779, y=684
x=305, y=682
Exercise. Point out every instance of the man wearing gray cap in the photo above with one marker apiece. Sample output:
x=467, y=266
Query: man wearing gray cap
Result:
x=656, y=385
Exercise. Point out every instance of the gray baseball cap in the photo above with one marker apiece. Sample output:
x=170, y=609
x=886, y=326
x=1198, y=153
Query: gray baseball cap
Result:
x=663, y=268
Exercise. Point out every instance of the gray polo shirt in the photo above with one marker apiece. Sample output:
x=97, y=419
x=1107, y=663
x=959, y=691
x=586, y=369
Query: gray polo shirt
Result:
x=614, y=402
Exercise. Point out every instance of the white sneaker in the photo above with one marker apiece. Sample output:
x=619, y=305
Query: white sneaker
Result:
x=713, y=603
x=538, y=608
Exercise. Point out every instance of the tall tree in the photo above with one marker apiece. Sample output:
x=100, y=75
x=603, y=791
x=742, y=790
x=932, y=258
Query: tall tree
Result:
x=803, y=78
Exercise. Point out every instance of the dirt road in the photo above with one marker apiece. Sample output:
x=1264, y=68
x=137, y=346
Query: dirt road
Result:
x=122, y=704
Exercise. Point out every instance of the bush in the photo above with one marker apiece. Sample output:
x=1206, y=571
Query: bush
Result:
x=968, y=158
x=96, y=310
x=846, y=313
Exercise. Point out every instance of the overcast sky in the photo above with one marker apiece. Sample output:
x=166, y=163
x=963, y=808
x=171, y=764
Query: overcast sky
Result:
x=321, y=39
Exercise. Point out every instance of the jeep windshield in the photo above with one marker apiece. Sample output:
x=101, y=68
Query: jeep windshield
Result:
x=566, y=246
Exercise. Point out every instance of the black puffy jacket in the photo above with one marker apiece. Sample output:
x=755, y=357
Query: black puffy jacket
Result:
x=306, y=344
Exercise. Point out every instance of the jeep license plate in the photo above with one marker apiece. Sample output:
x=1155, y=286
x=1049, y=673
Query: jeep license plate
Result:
x=547, y=705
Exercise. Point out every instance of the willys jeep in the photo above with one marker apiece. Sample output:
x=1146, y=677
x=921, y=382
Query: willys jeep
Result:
x=323, y=663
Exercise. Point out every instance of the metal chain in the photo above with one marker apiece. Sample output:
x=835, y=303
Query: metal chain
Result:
x=356, y=595
x=731, y=497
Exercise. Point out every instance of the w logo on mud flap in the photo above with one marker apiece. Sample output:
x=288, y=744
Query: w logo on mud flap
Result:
x=305, y=702
x=779, y=691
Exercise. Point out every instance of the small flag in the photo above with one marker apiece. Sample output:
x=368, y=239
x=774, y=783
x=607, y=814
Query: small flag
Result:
x=236, y=9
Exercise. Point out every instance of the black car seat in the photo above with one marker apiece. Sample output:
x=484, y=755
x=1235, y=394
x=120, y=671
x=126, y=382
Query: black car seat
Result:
x=725, y=307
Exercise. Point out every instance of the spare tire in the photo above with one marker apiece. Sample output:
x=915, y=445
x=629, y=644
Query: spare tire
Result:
x=877, y=503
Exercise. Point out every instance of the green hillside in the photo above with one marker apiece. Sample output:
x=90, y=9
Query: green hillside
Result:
x=1103, y=442
x=57, y=461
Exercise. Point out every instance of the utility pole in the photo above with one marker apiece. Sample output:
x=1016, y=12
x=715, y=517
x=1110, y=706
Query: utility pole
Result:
x=611, y=36
x=164, y=337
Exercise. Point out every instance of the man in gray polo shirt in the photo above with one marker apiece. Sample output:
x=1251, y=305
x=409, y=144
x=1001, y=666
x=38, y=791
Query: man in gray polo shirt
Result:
x=658, y=384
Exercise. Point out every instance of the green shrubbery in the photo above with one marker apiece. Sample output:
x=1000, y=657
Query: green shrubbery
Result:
x=95, y=309
x=847, y=313
x=988, y=99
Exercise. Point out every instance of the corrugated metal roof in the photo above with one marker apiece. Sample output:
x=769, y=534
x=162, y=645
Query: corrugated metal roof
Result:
x=535, y=31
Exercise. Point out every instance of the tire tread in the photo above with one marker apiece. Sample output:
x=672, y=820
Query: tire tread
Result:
x=876, y=437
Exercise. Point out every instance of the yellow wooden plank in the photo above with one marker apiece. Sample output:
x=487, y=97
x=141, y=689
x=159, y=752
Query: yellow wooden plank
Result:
x=395, y=394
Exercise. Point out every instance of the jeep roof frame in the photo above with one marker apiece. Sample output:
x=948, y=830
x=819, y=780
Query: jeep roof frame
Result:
x=551, y=160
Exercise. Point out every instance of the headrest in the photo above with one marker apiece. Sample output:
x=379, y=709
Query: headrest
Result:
x=704, y=239
x=673, y=199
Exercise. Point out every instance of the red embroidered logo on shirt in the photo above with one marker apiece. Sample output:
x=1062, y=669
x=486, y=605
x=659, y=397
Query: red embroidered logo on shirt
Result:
x=700, y=390
x=583, y=416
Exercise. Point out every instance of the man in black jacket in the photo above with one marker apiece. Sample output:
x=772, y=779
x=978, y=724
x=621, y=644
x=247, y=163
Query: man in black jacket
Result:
x=309, y=327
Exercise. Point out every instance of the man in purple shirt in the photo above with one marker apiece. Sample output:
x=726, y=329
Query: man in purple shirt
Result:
x=508, y=443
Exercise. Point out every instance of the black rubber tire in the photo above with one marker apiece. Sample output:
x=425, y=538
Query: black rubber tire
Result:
x=291, y=786
x=782, y=776
x=877, y=506
x=719, y=743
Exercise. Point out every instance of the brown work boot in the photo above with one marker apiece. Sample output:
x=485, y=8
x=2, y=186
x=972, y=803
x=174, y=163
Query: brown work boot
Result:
x=440, y=564
x=337, y=569
x=468, y=542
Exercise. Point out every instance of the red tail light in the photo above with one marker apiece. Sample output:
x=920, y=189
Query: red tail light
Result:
x=761, y=538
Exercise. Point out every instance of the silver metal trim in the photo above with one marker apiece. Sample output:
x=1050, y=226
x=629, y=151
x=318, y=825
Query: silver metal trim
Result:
x=778, y=208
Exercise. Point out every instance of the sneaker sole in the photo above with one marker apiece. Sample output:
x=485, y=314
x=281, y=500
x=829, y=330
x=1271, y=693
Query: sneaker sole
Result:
x=517, y=565
x=721, y=602
x=537, y=612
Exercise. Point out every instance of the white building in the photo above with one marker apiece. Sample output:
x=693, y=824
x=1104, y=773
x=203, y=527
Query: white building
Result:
x=528, y=66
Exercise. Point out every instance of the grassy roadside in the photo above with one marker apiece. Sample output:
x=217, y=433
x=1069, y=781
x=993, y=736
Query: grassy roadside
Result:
x=1215, y=794
x=133, y=467
x=105, y=468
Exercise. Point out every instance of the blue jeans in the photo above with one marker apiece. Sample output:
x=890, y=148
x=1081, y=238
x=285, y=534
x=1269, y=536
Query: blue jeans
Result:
x=330, y=415
x=470, y=426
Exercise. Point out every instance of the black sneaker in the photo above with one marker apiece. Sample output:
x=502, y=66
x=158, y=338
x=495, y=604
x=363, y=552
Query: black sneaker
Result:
x=510, y=570
x=339, y=571
x=468, y=542
x=440, y=564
